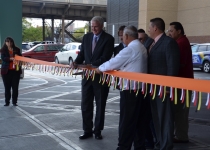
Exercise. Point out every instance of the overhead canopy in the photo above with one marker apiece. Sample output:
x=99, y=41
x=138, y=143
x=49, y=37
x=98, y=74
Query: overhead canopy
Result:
x=69, y=9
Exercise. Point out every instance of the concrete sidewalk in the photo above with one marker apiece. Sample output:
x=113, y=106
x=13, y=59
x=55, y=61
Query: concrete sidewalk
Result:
x=48, y=118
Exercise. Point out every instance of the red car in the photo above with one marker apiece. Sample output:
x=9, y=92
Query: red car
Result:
x=44, y=52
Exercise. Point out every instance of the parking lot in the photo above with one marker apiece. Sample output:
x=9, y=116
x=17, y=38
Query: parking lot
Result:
x=49, y=117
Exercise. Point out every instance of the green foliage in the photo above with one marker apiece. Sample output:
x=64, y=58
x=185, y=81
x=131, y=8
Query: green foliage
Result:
x=32, y=34
x=79, y=33
x=25, y=24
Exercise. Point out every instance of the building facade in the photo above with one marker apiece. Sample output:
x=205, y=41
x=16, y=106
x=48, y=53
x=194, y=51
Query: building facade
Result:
x=193, y=14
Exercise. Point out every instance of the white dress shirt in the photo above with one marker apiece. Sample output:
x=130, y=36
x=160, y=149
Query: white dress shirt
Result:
x=132, y=58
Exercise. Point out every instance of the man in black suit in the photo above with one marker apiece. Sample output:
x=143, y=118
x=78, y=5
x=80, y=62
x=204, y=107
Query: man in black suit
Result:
x=118, y=48
x=164, y=59
x=96, y=48
x=144, y=38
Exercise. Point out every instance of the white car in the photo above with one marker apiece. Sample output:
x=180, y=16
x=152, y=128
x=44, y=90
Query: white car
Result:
x=68, y=53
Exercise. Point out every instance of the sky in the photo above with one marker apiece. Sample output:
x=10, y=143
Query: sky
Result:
x=38, y=22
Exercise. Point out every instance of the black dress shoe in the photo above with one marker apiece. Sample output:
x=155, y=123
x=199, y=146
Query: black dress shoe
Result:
x=85, y=136
x=15, y=105
x=98, y=137
x=6, y=104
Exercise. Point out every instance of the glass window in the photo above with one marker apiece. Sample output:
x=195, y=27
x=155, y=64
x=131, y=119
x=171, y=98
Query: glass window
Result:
x=25, y=46
x=74, y=47
x=68, y=47
x=208, y=48
x=194, y=48
x=53, y=47
x=64, y=48
x=39, y=49
x=202, y=48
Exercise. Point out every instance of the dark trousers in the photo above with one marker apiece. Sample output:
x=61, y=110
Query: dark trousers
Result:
x=11, y=81
x=163, y=119
x=131, y=125
x=150, y=129
x=181, y=113
x=90, y=90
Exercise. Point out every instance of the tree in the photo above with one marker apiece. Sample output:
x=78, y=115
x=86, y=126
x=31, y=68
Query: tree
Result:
x=32, y=34
x=79, y=33
x=25, y=24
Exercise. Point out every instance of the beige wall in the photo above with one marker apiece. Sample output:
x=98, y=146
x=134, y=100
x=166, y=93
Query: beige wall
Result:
x=195, y=17
x=193, y=14
x=165, y=9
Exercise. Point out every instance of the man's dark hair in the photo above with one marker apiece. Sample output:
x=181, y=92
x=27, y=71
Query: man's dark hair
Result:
x=121, y=28
x=178, y=26
x=141, y=31
x=159, y=23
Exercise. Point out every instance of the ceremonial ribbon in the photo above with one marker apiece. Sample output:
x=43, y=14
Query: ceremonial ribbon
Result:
x=165, y=81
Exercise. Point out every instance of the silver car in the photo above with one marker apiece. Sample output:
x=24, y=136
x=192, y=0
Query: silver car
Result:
x=68, y=53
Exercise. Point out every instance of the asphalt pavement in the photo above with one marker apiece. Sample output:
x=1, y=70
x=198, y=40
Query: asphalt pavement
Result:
x=49, y=117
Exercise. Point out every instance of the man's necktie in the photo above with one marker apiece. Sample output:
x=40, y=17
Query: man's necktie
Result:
x=151, y=46
x=94, y=43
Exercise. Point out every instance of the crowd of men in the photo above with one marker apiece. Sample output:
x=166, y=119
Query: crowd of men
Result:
x=143, y=122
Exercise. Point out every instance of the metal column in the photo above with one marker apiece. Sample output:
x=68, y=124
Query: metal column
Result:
x=43, y=28
x=52, y=29
x=63, y=28
x=11, y=21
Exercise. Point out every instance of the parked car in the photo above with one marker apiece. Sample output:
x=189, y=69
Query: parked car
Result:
x=192, y=44
x=32, y=44
x=48, y=42
x=201, y=56
x=68, y=53
x=25, y=47
x=44, y=52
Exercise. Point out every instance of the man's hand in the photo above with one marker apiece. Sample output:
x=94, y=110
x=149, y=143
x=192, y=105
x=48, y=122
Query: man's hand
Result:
x=73, y=65
x=98, y=71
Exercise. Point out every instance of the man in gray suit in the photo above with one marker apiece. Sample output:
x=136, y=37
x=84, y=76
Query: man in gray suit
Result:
x=164, y=59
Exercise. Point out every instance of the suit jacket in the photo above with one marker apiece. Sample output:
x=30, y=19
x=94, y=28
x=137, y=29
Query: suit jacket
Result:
x=5, y=57
x=103, y=51
x=164, y=57
x=148, y=42
x=118, y=48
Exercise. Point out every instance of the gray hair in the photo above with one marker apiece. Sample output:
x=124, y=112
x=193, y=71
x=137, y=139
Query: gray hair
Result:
x=98, y=19
x=131, y=31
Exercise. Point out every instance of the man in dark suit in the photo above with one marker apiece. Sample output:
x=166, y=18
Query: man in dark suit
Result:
x=118, y=48
x=144, y=38
x=96, y=48
x=164, y=59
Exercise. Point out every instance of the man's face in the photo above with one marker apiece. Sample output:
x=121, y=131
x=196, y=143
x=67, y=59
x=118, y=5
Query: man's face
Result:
x=142, y=37
x=120, y=34
x=151, y=30
x=96, y=27
x=173, y=33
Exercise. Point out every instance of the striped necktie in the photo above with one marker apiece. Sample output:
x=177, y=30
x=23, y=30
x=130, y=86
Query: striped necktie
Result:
x=94, y=43
x=151, y=46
